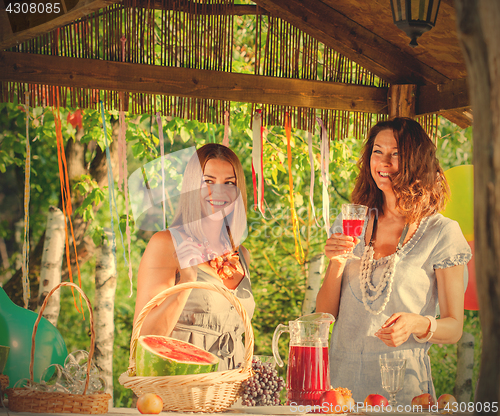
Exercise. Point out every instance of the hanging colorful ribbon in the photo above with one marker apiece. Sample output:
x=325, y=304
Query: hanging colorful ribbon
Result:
x=26, y=240
x=123, y=177
x=123, y=181
x=325, y=166
x=66, y=198
x=111, y=188
x=162, y=153
x=311, y=188
x=257, y=165
x=225, y=141
x=299, y=252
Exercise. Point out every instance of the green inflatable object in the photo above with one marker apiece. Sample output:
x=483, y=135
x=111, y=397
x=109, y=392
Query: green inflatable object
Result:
x=16, y=329
x=163, y=356
x=461, y=204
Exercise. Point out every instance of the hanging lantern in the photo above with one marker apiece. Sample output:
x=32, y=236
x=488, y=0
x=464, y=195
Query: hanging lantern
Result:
x=415, y=17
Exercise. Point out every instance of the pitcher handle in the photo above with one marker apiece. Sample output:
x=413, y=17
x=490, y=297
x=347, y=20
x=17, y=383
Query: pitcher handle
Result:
x=277, y=332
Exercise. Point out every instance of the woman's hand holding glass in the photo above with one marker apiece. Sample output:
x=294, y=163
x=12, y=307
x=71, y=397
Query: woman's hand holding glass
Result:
x=338, y=245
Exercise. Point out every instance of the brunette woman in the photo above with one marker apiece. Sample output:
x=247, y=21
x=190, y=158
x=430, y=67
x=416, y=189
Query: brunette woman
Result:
x=411, y=258
x=203, y=244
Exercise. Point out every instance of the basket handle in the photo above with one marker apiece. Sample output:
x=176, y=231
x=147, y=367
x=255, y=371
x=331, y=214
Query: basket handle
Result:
x=223, y=290
x=92, y=331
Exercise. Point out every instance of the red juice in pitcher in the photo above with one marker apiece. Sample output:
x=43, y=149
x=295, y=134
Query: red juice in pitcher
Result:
x=308, y=375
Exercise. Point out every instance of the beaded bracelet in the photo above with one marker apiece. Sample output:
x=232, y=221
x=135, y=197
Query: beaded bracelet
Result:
x=431, y=330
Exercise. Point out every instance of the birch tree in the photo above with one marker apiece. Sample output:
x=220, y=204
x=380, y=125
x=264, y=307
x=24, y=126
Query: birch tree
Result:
x=465, y=366
x=313, y=283
x=105, y=288
x=50, y=273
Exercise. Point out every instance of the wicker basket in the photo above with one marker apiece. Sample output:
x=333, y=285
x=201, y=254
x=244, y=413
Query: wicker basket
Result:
x=4, y=382
x=28, y=400
x=210, y=392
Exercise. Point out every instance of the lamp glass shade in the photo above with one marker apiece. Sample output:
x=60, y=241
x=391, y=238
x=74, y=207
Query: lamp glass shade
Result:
x=415, y=17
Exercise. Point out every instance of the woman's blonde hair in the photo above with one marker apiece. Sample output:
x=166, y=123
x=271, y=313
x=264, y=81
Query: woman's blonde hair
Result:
x=420, y=186
x=189, y=213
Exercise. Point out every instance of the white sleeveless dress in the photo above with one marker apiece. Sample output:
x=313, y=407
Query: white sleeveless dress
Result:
x=209, y=321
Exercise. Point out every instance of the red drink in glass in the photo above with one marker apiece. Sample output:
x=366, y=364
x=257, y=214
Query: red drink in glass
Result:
x=308, y=375
x=353, y=228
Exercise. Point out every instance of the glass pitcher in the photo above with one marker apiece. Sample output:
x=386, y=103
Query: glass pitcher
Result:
x=308, y=373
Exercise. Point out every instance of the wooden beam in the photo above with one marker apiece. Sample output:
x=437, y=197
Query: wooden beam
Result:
x=205, y=9
x=185, y=82
x=5, y=29
x=29, y=26
x=402, y=100
x=462, y=118
x=452, y=95
x=354, y=41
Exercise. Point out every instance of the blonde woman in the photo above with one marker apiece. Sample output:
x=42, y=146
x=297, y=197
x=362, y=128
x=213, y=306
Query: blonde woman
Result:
x=203, y=244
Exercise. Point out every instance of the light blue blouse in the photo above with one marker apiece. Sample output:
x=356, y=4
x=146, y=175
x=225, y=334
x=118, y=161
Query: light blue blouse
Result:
x=354, y=349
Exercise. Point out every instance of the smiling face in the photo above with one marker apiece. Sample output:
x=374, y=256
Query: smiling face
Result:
x=384, y=160
x=218, y=189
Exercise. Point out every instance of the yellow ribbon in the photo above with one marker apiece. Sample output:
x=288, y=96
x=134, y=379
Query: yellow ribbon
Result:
x=299, y=252
x=26, y=240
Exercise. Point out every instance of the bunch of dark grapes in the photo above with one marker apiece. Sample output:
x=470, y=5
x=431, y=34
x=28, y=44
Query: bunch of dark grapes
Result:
x=263, y=388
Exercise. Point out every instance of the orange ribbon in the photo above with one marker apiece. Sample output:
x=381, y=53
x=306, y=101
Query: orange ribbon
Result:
x=66, y=196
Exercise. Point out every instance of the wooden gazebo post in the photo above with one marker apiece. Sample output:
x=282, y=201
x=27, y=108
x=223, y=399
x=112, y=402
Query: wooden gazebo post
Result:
x=401, y=100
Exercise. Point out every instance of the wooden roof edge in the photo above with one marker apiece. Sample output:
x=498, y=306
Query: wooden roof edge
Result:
x=355, y=42
x=451, y=95
x=41, y=24
x=463, y=118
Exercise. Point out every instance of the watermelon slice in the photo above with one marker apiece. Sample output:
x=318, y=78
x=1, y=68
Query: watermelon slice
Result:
x=163, y=356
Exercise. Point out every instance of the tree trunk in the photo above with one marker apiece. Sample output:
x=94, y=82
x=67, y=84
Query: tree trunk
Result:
x=478, y=23
x=465, y=367
x=50, y=275
x=313, y=283
x=105, y=287
x=85, y=247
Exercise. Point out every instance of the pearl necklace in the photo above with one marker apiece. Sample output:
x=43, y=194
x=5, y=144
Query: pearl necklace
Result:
x=365, y=282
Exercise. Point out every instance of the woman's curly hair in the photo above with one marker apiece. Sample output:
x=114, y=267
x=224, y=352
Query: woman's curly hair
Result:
x=420, y=186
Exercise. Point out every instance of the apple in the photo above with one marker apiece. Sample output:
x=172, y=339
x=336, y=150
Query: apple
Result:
x=446, y=401
x=376, y=400
x=150, y=403
x=425, y=400
x=332, y=401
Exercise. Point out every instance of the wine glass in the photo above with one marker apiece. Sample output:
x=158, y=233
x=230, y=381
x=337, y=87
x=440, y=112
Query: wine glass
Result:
x=353, y=221
x=392, y=371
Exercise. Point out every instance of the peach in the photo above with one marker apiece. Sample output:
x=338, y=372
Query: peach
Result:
x=332, y=401
x=425, y=400
x=446, y=401
x=150, y=403
x=350, y=405
x=376, y=400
